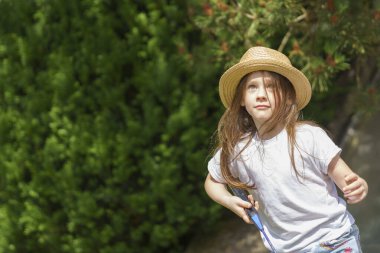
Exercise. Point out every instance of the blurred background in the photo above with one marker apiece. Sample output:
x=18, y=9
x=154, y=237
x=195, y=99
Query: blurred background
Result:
x=108, y=110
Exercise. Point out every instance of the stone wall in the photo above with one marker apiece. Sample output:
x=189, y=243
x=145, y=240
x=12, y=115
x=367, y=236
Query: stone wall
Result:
x=361, y=151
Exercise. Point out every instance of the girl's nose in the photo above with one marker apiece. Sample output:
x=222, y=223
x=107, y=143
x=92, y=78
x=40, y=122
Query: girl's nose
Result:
x=261, y=93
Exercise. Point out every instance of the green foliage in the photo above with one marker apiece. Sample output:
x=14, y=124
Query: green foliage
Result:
x=324, y=39
x=104, y=133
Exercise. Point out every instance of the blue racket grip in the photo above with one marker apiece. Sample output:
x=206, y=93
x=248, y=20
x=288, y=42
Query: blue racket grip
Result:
x=252, y=212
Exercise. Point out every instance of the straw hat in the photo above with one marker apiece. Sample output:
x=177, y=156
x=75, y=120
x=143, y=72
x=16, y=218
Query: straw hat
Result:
x=263, y=58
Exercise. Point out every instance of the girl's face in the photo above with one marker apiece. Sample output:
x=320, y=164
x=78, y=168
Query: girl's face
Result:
x=259, y=97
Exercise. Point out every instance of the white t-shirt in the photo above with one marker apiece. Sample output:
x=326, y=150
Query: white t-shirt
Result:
x=295, y=213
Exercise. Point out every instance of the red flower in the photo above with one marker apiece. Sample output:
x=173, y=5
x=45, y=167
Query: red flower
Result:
x=348, y=250
x=222, y=6
x=371, y=90
x=330, y=60
x=330, y=5
x=224, y=46
x=334, y=19
x=296, y=46
x=376, y=15
x=181, y=49
x=207, y=9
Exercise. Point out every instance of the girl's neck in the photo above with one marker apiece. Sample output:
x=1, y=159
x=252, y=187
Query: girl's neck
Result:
x=264, y=135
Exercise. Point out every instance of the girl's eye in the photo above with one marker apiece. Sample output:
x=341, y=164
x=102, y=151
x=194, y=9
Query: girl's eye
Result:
x=270, y=86
x=252, y=87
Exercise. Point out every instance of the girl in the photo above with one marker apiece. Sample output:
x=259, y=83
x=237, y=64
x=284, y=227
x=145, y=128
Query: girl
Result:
x=289, y=166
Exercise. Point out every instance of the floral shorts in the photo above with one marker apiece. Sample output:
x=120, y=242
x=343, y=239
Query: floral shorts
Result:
x=347, y=243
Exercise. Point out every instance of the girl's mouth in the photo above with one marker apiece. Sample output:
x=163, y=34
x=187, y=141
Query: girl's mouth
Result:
x=262, y=107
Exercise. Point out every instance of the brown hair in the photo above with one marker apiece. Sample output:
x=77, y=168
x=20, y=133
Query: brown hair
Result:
x=236, y=124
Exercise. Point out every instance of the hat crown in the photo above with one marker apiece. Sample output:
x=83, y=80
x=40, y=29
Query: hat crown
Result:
x=260, y=53
x=264, y=59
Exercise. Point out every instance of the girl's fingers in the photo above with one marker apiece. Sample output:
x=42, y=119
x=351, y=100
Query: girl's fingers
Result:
x=255, y=203
x=241, y=212
x=354, y=200
x=356, y=192
x=356, y=189
x=236, y=201
x=252, y=200
x=357, y=197
x=246, y=219
x=353, y=186
x=244, y=204
x=238, y=206
x=350, y=178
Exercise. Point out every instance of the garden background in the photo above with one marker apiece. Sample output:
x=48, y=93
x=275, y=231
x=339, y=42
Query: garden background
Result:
x=108, y=108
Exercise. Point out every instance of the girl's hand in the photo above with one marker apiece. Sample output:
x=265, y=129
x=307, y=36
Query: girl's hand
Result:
x=237, y=205
x=356, y=189
x=254, y=202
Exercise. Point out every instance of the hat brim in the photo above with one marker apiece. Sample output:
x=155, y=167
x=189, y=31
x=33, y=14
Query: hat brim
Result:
x=231, y=78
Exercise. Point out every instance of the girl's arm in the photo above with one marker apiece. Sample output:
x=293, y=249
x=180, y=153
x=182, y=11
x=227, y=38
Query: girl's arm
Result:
x=219, y=193
x=354, y=188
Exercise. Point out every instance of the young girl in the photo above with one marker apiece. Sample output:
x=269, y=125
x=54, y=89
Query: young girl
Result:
x=290, y=167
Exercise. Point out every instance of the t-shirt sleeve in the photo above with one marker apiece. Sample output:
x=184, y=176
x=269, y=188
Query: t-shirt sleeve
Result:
x=214, y=168
x=237, y=167
x=324, y=148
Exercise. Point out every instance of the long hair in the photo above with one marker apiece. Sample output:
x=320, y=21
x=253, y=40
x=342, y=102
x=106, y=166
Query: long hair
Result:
x=237, y=124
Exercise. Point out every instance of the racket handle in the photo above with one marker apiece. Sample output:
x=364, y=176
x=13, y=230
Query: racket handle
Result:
x=252, y=212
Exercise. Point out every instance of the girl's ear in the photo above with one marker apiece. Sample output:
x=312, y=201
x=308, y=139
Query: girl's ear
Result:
x=289, y=102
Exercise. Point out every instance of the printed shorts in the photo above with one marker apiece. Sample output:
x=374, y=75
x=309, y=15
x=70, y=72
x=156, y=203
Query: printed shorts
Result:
x=347, y=243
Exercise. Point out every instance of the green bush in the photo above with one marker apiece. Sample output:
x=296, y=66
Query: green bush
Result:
x=104, y=133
